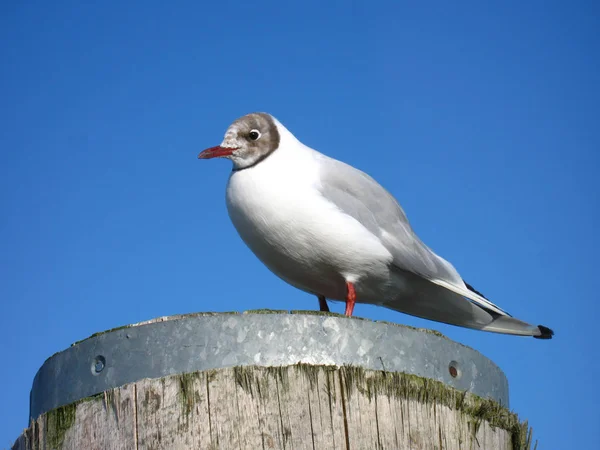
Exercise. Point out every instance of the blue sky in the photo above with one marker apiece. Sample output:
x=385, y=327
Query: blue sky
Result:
x=482, y=120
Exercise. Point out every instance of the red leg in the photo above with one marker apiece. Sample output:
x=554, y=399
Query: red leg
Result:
x=350, y=299
x=323, y=304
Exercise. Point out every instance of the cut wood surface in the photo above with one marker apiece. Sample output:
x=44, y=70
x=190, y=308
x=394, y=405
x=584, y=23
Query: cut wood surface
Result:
x=294, y=407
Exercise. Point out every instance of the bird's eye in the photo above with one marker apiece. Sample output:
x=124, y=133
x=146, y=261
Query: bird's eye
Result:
x=254, y=135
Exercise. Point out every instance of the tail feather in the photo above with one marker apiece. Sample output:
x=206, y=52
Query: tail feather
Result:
x=510, y=325
x=461, y=306
x=471, y=295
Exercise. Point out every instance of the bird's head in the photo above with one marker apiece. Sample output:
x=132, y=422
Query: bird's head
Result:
x=248, y=140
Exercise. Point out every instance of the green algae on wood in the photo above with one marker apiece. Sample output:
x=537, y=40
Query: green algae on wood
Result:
x=399, y=386
x=251, y=381
x=188, y=395
x=58, y=422
x=259, y=383
x=370, y=382
x=425, y=390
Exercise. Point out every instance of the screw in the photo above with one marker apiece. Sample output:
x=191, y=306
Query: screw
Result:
x=98, y=364
x=453, y=369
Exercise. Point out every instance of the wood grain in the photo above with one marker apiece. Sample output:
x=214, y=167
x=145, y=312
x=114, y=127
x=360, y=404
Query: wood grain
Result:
x=296, y=407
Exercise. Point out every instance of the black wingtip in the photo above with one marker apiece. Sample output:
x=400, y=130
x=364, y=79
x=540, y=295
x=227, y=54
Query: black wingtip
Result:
x=472, y=289
x=546, y=333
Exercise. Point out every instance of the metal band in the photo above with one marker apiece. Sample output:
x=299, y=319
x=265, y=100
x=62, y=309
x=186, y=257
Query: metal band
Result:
x=195, y=342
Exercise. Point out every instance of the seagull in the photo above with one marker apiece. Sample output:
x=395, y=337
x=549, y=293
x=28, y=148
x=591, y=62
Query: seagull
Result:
x=332, y=231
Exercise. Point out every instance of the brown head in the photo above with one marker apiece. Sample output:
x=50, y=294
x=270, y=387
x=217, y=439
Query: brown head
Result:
x=248, y=141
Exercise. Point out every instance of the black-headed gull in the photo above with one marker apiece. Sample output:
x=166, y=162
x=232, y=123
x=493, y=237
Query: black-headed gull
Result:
x=333, y=231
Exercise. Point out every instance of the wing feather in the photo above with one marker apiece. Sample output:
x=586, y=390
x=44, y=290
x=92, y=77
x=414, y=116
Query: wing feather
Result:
x=361, y=197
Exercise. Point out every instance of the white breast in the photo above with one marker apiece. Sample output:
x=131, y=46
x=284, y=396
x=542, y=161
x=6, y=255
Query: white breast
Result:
x=299, y=235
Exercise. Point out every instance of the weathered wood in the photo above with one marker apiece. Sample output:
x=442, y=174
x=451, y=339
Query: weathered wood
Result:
x=295, y=407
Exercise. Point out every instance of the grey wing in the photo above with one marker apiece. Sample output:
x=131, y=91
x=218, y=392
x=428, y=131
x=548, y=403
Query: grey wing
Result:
x=361, y=197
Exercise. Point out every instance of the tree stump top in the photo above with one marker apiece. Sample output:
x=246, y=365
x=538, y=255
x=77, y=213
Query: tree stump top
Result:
x=203, y=341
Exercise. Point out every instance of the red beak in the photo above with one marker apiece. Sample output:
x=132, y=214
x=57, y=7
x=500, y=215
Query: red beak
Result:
x=216, y=152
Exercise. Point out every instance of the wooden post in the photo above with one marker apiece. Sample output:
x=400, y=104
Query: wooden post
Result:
x=306, y=394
